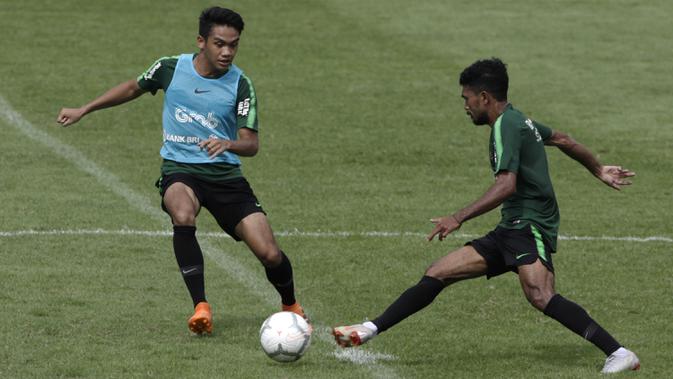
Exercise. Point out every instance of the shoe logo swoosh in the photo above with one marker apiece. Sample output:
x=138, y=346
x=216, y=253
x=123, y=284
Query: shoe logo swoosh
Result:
x=197, y=91
x=185, y=272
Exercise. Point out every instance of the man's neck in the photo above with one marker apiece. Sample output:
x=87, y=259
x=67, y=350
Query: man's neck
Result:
x=496, y=111
x=204, y=69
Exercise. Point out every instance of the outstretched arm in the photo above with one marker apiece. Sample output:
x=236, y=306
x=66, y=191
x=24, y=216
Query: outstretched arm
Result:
x=504, y=187
x=119, y=94
x=613, y=176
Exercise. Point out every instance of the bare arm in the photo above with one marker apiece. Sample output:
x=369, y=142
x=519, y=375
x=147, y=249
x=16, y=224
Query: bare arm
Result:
x=613, y=176
x=116, y=95
x=246, y=145
x=504, y=187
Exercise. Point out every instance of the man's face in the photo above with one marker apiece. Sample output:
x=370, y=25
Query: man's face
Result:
x=221, y=46
x=475, y=106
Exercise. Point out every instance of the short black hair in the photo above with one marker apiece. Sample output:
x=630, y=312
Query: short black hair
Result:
x=488, y=75
x=219, y=16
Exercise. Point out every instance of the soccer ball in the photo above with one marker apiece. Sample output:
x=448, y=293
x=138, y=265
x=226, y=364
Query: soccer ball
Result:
x=285, y=336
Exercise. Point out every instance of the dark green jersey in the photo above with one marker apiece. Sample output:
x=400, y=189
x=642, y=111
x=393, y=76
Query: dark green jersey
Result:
x=517, y=145
x=224, y=100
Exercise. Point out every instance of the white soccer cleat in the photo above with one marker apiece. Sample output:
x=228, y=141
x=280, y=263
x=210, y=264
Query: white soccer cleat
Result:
x=352, y=335
x=621, y=360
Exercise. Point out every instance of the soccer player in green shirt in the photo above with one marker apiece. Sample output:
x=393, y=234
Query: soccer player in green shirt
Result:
x=525, y=238
x=209, y=120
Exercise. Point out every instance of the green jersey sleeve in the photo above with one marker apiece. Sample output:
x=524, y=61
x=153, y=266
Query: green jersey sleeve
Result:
x=545, y=131
x=507, y=142
x=246, y=104
x=158, y=75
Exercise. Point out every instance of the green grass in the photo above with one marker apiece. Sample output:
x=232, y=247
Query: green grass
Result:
x=361, y=130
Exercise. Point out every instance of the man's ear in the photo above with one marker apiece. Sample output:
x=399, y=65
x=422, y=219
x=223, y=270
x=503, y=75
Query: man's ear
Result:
x=485, y=97
x=200, y=42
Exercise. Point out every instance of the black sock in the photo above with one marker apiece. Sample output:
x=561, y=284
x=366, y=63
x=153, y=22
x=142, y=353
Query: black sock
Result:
x=575, y=318
x=411, y=301
x=281, y=278
x=190, y=260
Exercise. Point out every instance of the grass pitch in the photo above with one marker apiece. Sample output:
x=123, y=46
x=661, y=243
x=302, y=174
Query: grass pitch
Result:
x=362, y=130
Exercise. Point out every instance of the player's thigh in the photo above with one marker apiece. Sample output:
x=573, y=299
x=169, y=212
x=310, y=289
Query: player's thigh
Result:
x=181, y=203
x=255, y=231
x=464, y=263
x=537, y=282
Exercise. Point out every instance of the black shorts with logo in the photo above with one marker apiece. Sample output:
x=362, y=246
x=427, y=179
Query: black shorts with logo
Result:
x=228, y=201
x=506, y=249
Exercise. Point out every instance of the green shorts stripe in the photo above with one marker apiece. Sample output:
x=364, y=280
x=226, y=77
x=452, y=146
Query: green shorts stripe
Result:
x=538, y=242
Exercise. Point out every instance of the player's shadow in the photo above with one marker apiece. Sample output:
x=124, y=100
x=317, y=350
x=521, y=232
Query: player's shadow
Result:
x=560, y=355
x=233, y=326
x=555, y=354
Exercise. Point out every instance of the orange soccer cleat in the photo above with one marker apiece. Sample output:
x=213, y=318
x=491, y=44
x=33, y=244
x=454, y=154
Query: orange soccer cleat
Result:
x=296, y=308
x=202, y=320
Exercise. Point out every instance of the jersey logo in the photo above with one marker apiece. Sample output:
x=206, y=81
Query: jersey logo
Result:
x=184, y=116
x=150, y=73
x=532, y=127
x=243, y=108
x=494, y=156
x=197, y=91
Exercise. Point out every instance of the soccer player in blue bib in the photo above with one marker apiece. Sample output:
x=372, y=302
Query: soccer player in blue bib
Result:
x=525, y=238
x=209, y=120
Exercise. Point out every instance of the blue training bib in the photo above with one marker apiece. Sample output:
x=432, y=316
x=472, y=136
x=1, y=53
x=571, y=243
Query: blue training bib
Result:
x=198, y=108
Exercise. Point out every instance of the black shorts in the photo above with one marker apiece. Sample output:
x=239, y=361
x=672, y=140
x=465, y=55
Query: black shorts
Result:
x=228, y=201
x=506, y=249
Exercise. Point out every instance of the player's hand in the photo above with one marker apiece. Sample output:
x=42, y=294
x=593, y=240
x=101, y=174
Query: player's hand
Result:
x=215, y=146
x=614, y=176
x=443, y=227
x=69, y=116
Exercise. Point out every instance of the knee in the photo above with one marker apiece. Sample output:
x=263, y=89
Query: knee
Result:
x=270, y=256
x=183, y=218
x=538, y=297
x=434, y=271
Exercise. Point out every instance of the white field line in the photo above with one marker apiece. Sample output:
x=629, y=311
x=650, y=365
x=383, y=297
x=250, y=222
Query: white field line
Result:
x=297, y=233
x=227, y=262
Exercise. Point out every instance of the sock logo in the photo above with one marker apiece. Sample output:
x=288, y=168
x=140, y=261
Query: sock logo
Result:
x=189, y=271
